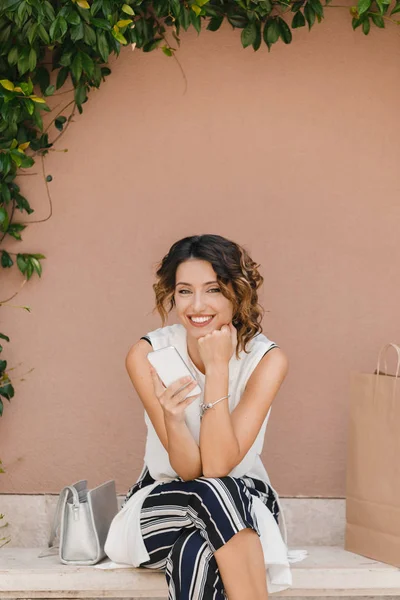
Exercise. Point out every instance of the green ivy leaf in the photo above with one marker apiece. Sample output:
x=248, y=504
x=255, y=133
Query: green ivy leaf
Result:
x=6, y=263
x=89, y=35
x=215, y=23
x=4, y=219
x=77, y=32
x=5, y=193
x=76, y=67
x=196, y=9
x=309, y=15
x=101, y=24
x=66, y=59
x=363, y=6
x=185, y=17
x=44, y=36
x=7, y=391
x=119, y=37
x=271, y=32
x=80, y=95
x=54, y=29
x=151, y=45
x=5, y=163
x=8, y=85
x=10, y=4
x=59, y=123
x=61, y=77
x=249, y=34
x=257, y=42
x=23, y=204
x=87, y=64
x=21, y=263
x=63, y=25
x=102, y=45
x=378, y=20
x=73, y=17
x=42, y=77
x=298, y=20
x=195, y=21
x=237, y=21
x=13, y=56
x=31, y=33
x=127, y=9
x=317, y=7
x=284, y=31
x=36, y=265
x=14, y=230
x=366, y=25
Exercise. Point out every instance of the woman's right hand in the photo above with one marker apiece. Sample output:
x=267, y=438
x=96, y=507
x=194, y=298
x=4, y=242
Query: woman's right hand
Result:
x=174, y=402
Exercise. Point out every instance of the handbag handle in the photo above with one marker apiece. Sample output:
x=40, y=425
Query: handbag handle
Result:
x=384, y=349
x=60, y=504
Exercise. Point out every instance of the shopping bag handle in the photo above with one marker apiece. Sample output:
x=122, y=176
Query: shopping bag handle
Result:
x=384, y=349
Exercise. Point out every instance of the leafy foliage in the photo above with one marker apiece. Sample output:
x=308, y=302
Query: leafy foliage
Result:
x=74, y=39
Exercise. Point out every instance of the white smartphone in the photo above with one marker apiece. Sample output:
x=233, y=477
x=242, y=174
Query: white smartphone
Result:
x=170, y=366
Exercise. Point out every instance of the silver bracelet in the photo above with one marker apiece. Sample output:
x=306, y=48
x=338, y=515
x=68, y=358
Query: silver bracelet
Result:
x=204, y=407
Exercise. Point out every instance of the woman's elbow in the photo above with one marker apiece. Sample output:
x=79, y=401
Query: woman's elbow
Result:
x=215, y=474
x=216, y=471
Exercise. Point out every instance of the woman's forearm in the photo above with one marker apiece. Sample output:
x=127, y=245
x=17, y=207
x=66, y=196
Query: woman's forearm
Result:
x=218, y=444
x=183, y=451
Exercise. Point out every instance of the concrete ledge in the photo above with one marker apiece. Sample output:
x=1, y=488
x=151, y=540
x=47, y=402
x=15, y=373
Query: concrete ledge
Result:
x=327, y=571
x=310, y=521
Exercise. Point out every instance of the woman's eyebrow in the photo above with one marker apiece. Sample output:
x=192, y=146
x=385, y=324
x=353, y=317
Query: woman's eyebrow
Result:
x=190, y=285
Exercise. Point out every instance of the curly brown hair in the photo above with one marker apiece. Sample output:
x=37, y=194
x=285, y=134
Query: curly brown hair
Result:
x=232, y=264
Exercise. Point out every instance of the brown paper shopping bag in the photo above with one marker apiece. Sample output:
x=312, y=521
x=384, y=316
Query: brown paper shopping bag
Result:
x=373, y=465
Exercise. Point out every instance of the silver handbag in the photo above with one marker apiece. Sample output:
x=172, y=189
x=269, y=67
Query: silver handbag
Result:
x=86, y=517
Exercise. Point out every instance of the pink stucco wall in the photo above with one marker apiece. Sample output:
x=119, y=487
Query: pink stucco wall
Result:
x=293, y=154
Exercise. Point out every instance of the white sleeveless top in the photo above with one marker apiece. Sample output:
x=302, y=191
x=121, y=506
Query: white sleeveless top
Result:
x=124, y=542
x=156, y=457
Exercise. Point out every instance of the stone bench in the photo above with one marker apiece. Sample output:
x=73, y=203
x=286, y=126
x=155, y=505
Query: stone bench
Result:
x=327, y=571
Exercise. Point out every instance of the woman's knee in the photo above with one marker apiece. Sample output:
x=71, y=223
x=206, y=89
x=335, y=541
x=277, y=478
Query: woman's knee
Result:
x=187, y=548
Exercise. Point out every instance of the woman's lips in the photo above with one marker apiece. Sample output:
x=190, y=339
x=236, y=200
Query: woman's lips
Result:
x=200, y=324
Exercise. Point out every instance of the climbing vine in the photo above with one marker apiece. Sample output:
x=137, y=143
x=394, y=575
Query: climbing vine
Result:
x=49, y=46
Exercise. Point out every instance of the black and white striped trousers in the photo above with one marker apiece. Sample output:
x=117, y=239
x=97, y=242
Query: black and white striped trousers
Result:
x=184, y=522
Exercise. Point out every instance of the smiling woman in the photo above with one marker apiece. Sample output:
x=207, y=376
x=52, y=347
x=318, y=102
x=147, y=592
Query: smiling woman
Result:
x=203, y=509
x=193, y=266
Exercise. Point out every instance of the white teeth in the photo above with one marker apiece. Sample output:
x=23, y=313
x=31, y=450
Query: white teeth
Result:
x=200, y=319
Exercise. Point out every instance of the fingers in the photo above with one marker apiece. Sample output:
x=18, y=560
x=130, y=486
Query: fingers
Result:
x=175, y=405
x=159, y=387
x=178, y=389
x=181, y=387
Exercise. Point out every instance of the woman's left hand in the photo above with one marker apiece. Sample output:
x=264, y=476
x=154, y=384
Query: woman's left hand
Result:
x=217, y=347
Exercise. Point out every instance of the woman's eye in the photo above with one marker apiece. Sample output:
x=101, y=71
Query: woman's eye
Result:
x=188, y=291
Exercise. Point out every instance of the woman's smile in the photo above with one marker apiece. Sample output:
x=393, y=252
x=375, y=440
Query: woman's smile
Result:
x=200, y=321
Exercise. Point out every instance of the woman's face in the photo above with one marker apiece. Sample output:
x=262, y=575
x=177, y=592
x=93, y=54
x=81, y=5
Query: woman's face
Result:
x=198, y=298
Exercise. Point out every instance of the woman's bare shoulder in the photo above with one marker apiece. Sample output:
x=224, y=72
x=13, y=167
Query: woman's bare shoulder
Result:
x=137, y=352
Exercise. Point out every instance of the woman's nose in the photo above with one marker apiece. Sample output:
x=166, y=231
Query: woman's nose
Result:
x=198, y=302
